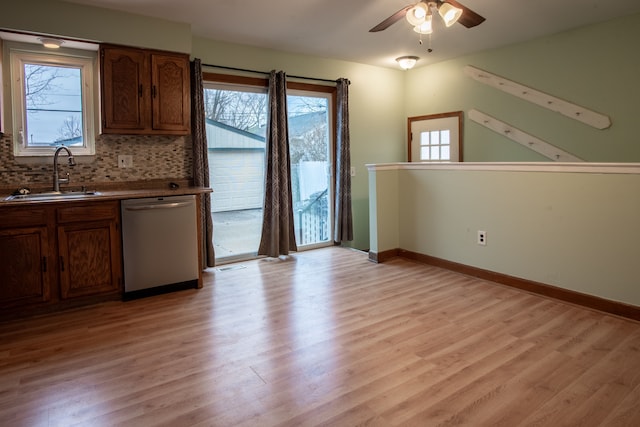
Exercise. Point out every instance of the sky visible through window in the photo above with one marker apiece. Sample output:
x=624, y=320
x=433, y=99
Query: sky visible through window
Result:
x=53, y=97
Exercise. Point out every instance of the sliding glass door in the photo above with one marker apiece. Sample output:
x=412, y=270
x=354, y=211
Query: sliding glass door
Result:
x=236, y=134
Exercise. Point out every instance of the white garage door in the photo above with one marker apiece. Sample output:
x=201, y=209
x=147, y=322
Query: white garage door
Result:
x=237, y=179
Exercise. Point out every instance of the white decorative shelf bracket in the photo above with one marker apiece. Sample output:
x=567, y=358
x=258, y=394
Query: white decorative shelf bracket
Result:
x=566, y=108
x=536, y=144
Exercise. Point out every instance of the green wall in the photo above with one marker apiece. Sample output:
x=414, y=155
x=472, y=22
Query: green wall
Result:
x=574, y=230
x=596, y=67
x=71, y=20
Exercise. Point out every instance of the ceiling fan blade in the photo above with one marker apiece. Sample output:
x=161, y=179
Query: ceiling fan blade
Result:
x=391, y=20
x=468, y=18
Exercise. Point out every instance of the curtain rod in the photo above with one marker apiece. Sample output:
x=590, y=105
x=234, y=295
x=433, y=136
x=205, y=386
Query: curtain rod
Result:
x=267, y=73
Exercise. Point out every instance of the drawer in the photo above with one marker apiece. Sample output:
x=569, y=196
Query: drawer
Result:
x=91, y=212
x=12, y=217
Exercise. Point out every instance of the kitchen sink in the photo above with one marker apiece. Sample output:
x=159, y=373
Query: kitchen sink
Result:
x=53, y=195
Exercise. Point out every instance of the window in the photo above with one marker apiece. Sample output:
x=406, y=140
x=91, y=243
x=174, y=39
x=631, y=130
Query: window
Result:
x=52, y=100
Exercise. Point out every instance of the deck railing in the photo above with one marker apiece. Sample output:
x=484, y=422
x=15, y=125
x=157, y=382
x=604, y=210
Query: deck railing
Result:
x=313, y=224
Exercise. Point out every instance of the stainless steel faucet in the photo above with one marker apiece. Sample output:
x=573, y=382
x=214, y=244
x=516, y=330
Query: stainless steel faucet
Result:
x=56, y=177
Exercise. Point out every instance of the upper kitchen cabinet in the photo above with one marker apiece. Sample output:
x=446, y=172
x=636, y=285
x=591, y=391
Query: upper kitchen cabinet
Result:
x=144, y=92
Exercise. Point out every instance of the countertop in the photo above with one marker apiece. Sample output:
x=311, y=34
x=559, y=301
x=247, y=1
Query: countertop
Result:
x=113, y=192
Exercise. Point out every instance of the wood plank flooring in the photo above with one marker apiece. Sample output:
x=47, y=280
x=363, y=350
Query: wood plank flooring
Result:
x=324, y=338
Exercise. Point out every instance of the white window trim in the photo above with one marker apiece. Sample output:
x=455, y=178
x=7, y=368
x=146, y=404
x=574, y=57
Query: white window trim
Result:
x=19, y=53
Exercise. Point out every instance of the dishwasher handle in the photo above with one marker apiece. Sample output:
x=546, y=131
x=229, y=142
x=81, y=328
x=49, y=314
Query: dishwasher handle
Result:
x=149, y=207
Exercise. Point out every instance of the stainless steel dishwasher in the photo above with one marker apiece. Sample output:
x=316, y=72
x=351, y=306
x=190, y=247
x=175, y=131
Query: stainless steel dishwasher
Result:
x=160, y=245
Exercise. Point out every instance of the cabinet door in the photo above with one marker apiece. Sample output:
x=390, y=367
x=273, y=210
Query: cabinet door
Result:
x=170, y=85
x=125, y=90
x=89, y=258
x=23, y=266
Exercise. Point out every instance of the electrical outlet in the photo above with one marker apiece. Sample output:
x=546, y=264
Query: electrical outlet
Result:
x=482, y=238
x=125, y=161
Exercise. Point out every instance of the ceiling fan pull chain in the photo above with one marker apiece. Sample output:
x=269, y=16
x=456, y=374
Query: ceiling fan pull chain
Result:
x=429, y=49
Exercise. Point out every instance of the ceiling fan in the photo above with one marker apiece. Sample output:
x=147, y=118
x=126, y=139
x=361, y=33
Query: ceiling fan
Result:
x=419, y=15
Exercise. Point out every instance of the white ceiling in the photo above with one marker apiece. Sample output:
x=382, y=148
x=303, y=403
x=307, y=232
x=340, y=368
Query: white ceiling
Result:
x=339, y=29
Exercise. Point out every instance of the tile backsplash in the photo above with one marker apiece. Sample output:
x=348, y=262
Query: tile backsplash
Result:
x=154, y=158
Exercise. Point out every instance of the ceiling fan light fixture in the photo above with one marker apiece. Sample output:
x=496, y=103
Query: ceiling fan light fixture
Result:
x=426, y=27
x=407, y=62
x=417, y=14
x=450, y=14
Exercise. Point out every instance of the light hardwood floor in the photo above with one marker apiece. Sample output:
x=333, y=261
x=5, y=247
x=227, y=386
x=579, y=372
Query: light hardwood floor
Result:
x=324, y=338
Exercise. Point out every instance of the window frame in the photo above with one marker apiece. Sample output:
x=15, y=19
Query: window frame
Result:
x=85, y=60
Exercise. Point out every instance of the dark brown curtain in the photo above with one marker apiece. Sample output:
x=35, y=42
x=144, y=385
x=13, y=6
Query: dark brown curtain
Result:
x=343, y=216
x=200, y=161
x=278, y=236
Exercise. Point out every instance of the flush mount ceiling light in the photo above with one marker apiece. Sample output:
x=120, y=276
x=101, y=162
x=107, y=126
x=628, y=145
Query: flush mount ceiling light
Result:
x=407, y=62
x=51, y=43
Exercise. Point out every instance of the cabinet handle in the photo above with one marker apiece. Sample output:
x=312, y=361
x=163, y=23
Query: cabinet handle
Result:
x=140, y=91
x=61, y=263
x=155, y=92
x=44, y=264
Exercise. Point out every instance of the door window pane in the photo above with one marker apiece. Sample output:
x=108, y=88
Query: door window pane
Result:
x=445, y=136
x=434, y=145
x=445, y=153
x=435, y=137
x=235, y=121
x=310, y=167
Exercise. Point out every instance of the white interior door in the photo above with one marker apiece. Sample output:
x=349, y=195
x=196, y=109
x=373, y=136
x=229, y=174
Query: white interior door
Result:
x=435, y=139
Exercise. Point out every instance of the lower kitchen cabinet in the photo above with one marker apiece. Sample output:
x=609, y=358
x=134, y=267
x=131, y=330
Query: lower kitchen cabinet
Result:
x=59, y=254
x=89, y=249
x=25, y=257
x=86, y=259
x=24, y=263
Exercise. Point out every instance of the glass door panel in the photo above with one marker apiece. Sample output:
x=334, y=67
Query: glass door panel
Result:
x=236, y=133
x=309, y=146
